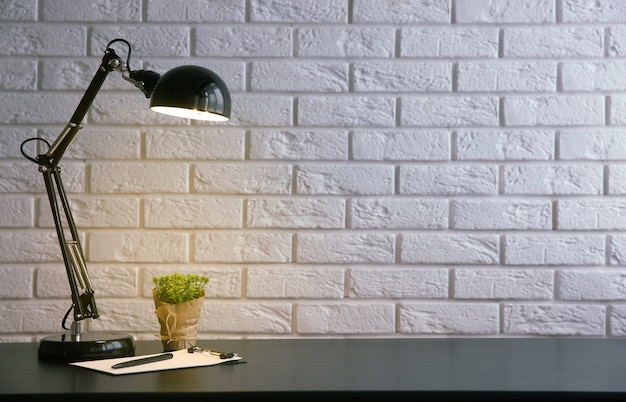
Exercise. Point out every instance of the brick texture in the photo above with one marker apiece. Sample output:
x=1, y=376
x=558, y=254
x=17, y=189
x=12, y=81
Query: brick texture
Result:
x=407, y=168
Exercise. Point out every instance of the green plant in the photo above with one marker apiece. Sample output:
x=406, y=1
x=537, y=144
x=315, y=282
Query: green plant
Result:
x=179, y=288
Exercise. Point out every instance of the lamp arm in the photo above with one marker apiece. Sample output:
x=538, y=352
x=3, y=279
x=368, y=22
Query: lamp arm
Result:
x=83, y=301
x=83, y=304
x=110, y=62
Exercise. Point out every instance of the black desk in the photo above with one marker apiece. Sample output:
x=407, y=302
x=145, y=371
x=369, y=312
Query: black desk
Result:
x=386, y=369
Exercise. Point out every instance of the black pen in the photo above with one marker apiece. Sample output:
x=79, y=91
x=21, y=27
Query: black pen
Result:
x=143, y=360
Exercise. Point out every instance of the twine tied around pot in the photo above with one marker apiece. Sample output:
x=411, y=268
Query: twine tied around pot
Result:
x=178, y=323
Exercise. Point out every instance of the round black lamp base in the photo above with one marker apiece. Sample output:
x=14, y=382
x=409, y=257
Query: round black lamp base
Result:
x=89, y=346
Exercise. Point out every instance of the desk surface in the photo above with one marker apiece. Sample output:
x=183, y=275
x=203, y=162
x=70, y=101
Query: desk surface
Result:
x=309, y=369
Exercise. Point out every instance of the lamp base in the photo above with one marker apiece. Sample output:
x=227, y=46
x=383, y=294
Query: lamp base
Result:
x=89, y=346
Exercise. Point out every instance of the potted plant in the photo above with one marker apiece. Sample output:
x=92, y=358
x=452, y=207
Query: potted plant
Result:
x=178, y=300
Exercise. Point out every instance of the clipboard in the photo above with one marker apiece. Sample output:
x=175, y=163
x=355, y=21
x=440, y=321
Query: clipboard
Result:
x=180, y=359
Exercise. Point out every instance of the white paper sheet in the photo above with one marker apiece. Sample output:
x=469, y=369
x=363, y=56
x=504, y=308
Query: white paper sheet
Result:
x=180, y=359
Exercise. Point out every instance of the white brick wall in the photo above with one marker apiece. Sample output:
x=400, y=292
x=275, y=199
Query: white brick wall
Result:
x=397, y=169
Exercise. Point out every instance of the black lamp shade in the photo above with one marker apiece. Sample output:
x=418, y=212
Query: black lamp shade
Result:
x=192, y=92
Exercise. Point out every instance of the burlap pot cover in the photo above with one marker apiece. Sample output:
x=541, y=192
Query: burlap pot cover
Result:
x=178, y=323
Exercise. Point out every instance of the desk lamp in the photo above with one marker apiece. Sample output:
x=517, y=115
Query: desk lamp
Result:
x=185, y=91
